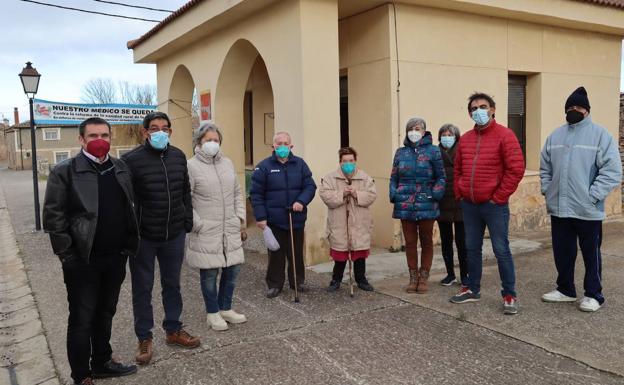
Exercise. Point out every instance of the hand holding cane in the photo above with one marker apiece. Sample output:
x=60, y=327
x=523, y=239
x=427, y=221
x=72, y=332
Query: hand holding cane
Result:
x=292, y=248
x=349, y=245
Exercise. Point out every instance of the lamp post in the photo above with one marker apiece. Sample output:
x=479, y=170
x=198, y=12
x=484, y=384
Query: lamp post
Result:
x=30, y=80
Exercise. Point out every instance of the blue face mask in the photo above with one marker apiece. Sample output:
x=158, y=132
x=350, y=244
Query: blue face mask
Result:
x=159, y=140
x=480, y=116
x=447, y=141
x=282, y=151
x=348, y=168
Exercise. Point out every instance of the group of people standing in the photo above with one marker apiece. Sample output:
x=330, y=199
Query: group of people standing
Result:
x=101, y=212
x=465, y=184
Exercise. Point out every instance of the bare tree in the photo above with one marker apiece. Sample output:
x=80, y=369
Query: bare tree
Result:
x=99, y=90
x=132, y=93
x=104, y=90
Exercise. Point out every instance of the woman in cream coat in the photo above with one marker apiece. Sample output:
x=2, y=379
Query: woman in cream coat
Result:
x=218, y=226
x=349, y=189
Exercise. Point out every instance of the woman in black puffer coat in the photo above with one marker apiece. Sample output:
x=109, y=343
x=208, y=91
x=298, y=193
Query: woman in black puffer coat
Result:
x=450, y=210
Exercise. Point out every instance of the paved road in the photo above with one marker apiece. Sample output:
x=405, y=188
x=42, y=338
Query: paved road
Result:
x=376, y=338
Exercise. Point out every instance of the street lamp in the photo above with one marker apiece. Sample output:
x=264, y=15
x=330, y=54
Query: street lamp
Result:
x=30, y=80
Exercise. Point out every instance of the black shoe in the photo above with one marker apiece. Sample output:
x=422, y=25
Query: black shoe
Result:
x=300, y=288
x=448, y=281
x=113, y=369
x=364, y=285
x=273, y=292
x=333, y=286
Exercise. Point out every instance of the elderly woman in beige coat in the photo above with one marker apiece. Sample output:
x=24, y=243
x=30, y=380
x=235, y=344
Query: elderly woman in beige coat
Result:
x=349, y=189
x=218, y=226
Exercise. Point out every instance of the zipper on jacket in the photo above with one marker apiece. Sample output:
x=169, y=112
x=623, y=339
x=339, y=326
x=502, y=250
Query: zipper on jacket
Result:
x=131, y=203
x=223, y=236
x=168, y=196
x=474, y=167
x=284, y=165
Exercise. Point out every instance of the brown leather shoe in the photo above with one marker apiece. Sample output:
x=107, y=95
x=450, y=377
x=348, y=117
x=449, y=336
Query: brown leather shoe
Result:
x=422, y=282
x=412, y=287
x=182, y=338
x=144, y=353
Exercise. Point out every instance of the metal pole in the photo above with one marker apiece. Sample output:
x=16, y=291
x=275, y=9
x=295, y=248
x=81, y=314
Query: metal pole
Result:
x=33, y=150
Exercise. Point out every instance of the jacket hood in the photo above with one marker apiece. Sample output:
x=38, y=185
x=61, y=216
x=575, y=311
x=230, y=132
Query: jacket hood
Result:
x=426, y=139
x=205, y=158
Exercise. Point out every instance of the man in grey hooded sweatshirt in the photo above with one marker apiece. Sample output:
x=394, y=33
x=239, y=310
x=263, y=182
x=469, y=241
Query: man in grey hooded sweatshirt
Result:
x=579, y=166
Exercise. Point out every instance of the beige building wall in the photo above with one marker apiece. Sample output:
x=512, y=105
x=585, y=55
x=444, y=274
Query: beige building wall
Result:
x=438, y=55
x=124, y=138
x=298, y=41
x=263, y=125
x=446, y=55
x=365, y=57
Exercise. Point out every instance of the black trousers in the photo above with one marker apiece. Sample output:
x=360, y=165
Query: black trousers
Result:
x=92, y=292
x=446, y=240
x=277, y=259
x=359, y=270
x=567, y=233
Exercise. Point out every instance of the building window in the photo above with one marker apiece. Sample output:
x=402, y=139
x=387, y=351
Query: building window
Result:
x=60, y=156
x=516, y=113
x=51, y=134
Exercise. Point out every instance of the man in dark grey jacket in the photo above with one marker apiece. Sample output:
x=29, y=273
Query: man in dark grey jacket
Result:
x=84, y=198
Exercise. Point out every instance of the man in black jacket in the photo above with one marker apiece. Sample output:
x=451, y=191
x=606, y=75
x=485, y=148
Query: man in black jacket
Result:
x=84, y=198
x=161, y=182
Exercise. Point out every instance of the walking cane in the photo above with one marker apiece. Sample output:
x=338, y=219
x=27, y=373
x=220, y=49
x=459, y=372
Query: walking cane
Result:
x=349, y=245
x=292, y=248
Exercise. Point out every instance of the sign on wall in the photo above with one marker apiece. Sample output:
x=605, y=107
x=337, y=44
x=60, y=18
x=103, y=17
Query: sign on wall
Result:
x=47, y=112
x=205, y=106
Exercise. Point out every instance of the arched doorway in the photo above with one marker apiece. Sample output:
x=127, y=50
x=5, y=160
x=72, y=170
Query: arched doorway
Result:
x=243, y=108
x=180, y=109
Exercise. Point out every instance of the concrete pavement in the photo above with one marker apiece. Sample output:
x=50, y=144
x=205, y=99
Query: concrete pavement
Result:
x=25, y=357
x=386, y=337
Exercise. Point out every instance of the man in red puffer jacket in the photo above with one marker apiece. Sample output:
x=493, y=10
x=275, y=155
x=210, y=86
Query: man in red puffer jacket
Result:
x=488, y=168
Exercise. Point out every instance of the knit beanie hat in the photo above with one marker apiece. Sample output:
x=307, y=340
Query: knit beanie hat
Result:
x=578, y=98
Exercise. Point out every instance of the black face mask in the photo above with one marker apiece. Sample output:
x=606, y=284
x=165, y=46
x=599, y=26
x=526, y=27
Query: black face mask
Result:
x=574, y=116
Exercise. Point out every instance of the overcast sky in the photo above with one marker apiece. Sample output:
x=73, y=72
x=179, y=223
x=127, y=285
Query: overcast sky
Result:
x=68, y=48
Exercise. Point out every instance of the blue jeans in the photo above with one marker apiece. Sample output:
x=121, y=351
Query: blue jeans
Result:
x=496, y=218
x=170, y=255
x=221, y=300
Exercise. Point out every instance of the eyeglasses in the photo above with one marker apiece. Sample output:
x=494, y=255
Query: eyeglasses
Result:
x=482, y=107
x=153, y=129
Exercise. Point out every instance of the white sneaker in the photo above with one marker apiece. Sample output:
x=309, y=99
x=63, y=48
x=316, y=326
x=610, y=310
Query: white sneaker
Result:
x=589, y=304
x=233, y=317
x=557, y=296
x=216, y=322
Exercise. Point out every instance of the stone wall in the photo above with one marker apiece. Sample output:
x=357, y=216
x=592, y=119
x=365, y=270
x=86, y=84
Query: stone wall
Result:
x=527, y=206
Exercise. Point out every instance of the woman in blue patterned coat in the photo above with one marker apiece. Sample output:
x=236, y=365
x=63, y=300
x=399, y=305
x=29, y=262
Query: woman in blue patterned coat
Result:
x=416, y=186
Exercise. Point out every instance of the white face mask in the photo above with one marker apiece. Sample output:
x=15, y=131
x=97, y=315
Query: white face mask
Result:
x=210, y=148
x=414, y=136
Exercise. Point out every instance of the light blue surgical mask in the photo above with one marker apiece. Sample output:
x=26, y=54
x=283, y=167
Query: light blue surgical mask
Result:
x=348, y=168
x=159, y=140
x=447, y=141
x=480, y=116
x=282, y=151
